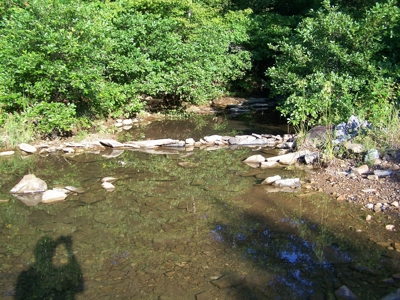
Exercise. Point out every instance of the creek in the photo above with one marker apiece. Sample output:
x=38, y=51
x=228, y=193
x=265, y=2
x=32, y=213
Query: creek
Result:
x=185, y=225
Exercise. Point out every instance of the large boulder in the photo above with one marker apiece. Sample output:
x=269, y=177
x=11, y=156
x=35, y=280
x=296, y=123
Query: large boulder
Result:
x=29, y=184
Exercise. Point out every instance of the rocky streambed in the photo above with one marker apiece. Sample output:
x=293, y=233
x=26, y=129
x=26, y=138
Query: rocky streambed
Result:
x=247, y=217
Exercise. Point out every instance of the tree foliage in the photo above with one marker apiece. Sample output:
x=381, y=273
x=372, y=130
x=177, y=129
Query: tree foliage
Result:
x=333, y=66
x=99, y=58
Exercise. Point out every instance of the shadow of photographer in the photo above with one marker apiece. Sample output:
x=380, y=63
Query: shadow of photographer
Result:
x=44, y=279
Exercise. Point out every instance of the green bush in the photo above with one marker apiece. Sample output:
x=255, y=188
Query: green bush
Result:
x=334, y=66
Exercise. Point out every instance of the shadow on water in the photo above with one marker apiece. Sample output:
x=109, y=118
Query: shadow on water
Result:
x=301, y=254
x=46, y=279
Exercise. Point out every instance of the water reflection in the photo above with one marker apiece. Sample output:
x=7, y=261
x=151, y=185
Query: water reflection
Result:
x=45, y=280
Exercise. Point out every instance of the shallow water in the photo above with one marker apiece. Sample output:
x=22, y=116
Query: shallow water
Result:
x=176, y=223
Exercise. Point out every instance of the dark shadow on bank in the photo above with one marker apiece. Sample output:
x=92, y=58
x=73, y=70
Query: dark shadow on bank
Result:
x=299, y=258
x=45, y=280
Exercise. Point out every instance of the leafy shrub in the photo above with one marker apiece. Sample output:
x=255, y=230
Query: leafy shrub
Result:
x=334, y=66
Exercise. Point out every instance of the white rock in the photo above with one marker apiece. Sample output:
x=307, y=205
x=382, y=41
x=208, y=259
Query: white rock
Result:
x=272, y=179
x=153, y=143
x=213, y=138
x=255, y=159
x=27, y=148
x=109, y=179
x=395, y=203
x=7, y=153
x=368, y=218
x=127, y=122
x=111, y=143
x=50, y=196
x=118, y=124
x=190, y=141
x=269, y=164
x=291, y=182
x=29, y=184
x=108, y=186
x=390, y=227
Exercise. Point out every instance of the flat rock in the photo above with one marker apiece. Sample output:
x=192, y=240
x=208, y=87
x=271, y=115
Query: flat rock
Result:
x=29, y=184
x=213, y=138
x=392, y=296
x=111, y=143
x=383, y=173
x=27, y=148
x=269, y=164
x=361, y=170
x=73, y=189
x=255, y=159
x=7, y=153
x=228, y=280
x=288, y=159
x=154, y=143
x=112, y=153
x=50, y=196
x=205, y=296
x=291, y=182
x=109, y=179
x=272, y=179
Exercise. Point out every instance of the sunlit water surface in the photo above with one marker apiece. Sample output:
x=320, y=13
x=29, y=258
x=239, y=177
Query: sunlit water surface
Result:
x=176, y=223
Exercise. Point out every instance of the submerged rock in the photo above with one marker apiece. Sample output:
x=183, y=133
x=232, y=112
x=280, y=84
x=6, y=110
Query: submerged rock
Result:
x=27, y=148
x=255, y=159
x=228, y=280
x=31, y=199
x=291, y=182
x=108, y=186
x=29, y=184
x=344, y=293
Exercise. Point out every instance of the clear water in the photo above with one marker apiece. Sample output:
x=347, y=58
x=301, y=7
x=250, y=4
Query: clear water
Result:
x=176, y=223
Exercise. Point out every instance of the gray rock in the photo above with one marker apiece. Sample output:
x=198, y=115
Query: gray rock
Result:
x=51, y=196
x=154, y=143
x=111, y=153
x=242, y=140
x=318, y=136
x=372, y=155
x=344, y=293
x=392, y=296
x=310, y=158
x=111, y=143
x=179, y=144
x=272, y=179
x=73, y=189
x=228, y=280
x=291, y=182
x=27, y=148
x=29, y=184
x=383, y=173
x=288, y=159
